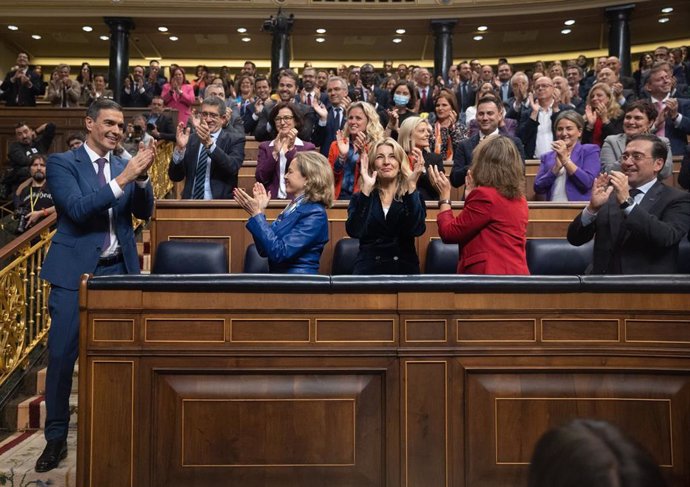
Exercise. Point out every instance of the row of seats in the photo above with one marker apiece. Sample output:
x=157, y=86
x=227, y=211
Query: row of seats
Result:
x=550, y=257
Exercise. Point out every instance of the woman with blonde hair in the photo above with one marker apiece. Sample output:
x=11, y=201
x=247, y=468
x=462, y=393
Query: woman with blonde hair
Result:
x=388, y=213
x=294, y=242
x=603, y=114
x=492, y=228
x=414, y=137
x=362, y=129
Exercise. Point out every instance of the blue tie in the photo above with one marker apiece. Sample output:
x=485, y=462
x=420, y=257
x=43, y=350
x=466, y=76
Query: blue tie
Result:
x=200, y=175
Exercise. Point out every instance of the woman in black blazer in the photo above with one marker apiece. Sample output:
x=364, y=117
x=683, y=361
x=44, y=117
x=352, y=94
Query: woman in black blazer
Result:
x=388, y=213
x=413, y=137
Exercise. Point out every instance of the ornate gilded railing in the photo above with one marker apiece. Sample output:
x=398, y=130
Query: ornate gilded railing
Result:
x=159, y=174
x=24, y=318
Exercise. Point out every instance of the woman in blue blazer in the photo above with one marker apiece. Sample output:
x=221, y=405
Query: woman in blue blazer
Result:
x=388, y=212
x=567, y=173
x=293, y=243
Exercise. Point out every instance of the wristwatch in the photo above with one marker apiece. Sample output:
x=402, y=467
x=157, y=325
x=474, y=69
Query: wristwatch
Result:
x=628, y=202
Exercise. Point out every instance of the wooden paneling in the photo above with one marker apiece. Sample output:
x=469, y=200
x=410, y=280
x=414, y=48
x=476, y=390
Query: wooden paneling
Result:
x=379, y=388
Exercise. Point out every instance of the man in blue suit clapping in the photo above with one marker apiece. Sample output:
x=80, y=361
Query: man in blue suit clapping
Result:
x=95, y=194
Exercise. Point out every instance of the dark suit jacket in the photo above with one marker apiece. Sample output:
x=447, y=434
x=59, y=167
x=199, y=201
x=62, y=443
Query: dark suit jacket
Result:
x=462, y=158
x=491, y=231
x=166, y=128
x=18, y=154
x=386, y=243
x=82, y=209
x=17, y=94
x=429, y=106
x=424, y=187
x=324, y=137
x=646, y=241
x=467, y=100
x=310, y=123
x=684, y=176
x=678, y=136
x=226, y=160
x=137, y=98
x=293, y=243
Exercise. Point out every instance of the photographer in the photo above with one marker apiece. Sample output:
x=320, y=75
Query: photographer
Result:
x=33, y=200
x=136, y=133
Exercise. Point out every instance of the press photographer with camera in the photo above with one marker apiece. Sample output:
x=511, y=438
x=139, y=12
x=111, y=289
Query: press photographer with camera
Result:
x=33, y=200
x=136, y=132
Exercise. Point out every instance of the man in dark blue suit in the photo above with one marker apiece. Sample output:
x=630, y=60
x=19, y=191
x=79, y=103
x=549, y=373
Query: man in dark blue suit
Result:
x=335, y=117
x=209, y=160
x=466, y=89
x=21, y=85
x=95, y=195
x=673, y=121
x=489, y=117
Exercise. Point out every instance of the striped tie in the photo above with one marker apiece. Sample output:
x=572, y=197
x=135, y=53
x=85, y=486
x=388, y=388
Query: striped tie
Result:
x=200, y=175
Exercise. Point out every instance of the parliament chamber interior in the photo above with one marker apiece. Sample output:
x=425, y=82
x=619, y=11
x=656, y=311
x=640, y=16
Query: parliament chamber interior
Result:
x=217, y=353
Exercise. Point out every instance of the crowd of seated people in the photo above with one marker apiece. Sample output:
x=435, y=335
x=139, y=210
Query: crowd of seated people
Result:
x=577, y=119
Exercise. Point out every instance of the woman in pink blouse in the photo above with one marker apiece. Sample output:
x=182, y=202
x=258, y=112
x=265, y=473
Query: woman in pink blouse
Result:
x=179, y=94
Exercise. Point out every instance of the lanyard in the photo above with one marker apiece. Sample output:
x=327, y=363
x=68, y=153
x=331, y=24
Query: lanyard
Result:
x=33, y=200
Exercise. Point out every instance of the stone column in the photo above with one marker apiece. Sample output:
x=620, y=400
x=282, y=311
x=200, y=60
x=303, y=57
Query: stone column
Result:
x=119, y=52
x=443, y=47
x=619, y=34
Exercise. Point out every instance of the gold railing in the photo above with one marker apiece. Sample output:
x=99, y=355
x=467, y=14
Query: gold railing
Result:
x=24, y=318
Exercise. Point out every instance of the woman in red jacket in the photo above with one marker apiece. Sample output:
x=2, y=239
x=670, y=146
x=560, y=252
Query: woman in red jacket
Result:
x=492, y=227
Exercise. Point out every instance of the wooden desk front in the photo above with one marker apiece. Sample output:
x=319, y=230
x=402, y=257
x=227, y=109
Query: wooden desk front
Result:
x=241, y=382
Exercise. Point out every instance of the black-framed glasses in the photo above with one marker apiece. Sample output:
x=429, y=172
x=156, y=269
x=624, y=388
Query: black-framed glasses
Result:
x=286, y=118
x=210, y=115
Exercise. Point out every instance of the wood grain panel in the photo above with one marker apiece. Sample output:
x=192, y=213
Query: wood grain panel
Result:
x=191, y=330
x=426, y=423
x=579, y=330
x=507, y=411
x=241, y=428
x=112, y=416
x=657, y=331
x=296, y=432
x=493, y=330
x=269, y=330
x=355, y=330
x=426, y=331
x=112, y=330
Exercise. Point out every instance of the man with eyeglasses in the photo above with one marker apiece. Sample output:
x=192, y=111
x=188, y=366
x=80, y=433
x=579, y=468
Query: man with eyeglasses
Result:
x=210, y=158
x=287, y=92
x=535, y=128
x=636, y=221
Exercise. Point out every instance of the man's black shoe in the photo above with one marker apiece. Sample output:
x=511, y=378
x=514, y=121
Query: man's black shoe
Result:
x=54, y=451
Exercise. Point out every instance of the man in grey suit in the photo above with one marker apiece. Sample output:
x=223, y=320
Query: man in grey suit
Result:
x=210, y=158
x=636, y=221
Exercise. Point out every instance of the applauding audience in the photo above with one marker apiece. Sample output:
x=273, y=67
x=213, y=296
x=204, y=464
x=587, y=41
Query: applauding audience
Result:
x=492, y=228
x=568, y=171
x=295, y=241
x=275, y=156
x=388, y=213
x=603, y=113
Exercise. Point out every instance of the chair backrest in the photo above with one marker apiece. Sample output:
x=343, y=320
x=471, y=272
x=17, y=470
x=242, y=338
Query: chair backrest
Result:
x=190, y=257
x=441, y=258
x=344, y=256
x=684, y=257
x=253, y=262
x=557, y=257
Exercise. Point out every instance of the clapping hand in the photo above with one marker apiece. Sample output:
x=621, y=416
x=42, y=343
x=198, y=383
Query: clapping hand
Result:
x=343, y=143
x=602, y=113
x=672, y=107
x=319, y=108
x=393, y=119
x=469, y=183
x=417, y=170
x=368, y=180
x=601, y=190
x=182, y=136
x=253, y=205
x=534, y=104
x=440, y=182
x=360, y=142
x=590, y=116
x=561, y=150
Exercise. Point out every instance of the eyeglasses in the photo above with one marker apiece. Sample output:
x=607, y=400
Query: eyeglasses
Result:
x=636, y=156
x=211, y=115
x=286, y=118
